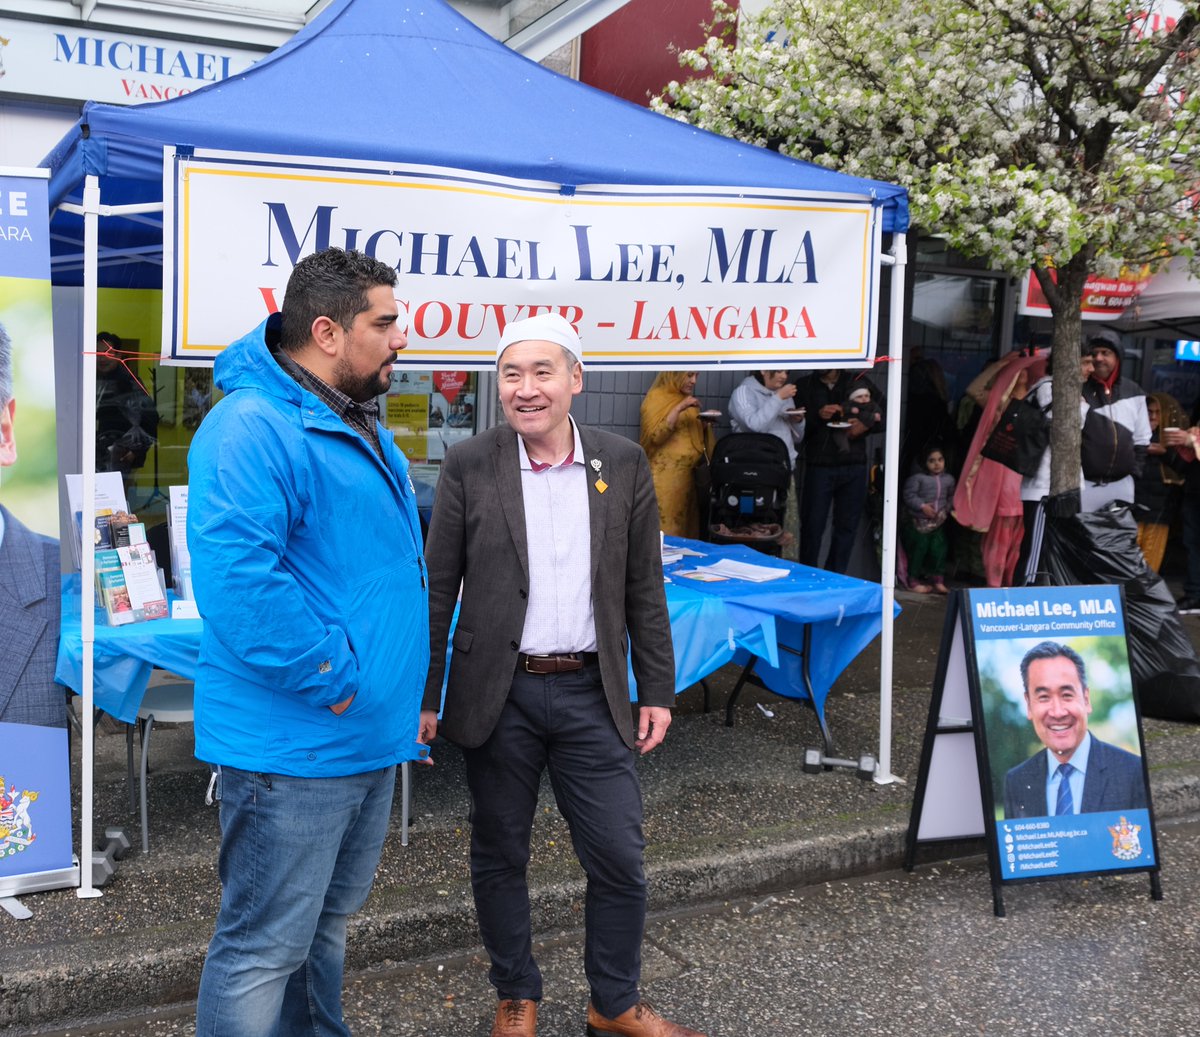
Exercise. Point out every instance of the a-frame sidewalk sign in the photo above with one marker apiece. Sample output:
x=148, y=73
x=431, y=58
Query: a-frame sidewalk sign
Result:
x=1034, y=739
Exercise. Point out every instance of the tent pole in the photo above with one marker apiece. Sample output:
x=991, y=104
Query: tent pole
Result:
x=87, y=577
x=891, y=476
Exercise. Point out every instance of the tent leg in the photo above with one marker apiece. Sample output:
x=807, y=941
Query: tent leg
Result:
x=891, y=453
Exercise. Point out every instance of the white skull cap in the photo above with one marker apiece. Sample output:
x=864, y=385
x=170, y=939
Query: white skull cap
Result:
x=545, y=327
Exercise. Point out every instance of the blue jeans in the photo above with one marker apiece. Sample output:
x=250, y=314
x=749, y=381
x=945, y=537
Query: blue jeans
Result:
x=298, y=857
x=561, y=722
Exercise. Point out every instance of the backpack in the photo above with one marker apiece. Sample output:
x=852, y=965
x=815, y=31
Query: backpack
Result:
x=1020, y=437
x=1106, y=449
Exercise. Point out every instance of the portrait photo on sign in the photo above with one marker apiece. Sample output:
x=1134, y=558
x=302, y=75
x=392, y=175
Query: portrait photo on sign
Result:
x=29, y=480
x=1061, y=726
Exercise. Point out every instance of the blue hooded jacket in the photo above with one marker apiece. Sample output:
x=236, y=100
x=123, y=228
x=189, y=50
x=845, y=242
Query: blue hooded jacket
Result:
x=308, y=572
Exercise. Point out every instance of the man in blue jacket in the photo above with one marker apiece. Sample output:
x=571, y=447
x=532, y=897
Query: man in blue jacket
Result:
x=307, y=567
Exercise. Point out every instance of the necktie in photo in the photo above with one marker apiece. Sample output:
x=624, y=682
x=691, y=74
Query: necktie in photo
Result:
x=1064, y=804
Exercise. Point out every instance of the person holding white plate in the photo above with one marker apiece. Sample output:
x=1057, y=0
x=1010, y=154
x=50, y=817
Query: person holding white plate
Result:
x=765, y=402
x=835, y=474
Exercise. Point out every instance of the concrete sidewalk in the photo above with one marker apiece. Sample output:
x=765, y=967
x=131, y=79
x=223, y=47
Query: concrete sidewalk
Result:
x=729, y=813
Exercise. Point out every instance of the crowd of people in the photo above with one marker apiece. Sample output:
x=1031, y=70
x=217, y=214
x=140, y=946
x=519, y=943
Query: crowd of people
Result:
x=1135, y=448
x=822, y=422
x=966, y=508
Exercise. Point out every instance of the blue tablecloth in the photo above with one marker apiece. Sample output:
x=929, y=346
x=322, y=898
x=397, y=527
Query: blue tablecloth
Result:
x=720, y=622
x=124, y=656
x=711, y=623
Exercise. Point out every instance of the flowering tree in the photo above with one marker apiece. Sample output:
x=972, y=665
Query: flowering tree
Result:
x=1062, y=135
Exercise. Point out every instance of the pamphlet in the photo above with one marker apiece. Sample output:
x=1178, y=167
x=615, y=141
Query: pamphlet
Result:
x=110, y=500
x=670, y=555
x=727, y=568
x=107, y=561
x=117, y=606
x=146, y=595
x=181, y=559
x=701, y=575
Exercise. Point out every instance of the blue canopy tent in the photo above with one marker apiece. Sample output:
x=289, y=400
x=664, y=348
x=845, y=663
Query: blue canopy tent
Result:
x=410, y=83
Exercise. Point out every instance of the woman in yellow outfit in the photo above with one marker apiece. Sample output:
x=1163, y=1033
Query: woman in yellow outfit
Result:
x=676, y=438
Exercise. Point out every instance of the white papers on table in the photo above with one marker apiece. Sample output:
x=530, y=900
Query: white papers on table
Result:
x=734, y=570
x=677, y=554
x=183, y=609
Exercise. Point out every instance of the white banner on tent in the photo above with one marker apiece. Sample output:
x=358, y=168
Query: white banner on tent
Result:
x=658, y=277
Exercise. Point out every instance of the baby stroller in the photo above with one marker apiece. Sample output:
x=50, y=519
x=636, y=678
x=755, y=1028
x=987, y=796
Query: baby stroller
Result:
x=751, y=473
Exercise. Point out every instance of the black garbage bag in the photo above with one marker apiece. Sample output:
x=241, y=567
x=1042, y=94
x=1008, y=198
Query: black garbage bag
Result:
x=1101, y=547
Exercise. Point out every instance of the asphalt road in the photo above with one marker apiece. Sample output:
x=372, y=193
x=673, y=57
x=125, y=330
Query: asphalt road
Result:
x=891, y=955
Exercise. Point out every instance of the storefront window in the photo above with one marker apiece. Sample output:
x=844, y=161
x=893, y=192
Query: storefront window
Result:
x=955, y=322
x=1179, y=378
x=146, y=415
x=429, y=411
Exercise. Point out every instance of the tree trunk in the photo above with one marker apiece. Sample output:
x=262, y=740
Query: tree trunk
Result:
x=1066, y=304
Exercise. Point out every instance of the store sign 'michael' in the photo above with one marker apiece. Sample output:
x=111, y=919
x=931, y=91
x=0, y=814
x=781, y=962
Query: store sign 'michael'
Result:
x=196, y=66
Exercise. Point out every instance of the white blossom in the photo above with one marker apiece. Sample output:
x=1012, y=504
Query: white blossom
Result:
x=1017, y=126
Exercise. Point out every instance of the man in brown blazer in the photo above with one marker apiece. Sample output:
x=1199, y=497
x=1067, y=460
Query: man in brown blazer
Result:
x=552, y=532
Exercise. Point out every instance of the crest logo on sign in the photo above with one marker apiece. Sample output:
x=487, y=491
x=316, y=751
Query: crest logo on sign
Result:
x=16, y=826
x=1126, y=845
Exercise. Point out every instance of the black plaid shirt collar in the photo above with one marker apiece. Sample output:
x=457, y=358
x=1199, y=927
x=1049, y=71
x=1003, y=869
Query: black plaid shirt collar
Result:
x=362, y=417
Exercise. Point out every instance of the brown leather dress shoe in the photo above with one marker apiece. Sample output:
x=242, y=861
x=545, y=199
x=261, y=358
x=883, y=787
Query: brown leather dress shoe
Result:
x=515, y=1017
x=639, y=1021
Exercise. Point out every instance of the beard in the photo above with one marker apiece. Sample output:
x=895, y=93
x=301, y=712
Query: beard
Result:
x=362, y=388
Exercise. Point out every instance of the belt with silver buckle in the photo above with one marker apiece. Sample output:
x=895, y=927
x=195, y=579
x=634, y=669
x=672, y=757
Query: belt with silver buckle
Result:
x=555, y=663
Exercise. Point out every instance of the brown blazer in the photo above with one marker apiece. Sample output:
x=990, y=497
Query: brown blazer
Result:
x=477, y=539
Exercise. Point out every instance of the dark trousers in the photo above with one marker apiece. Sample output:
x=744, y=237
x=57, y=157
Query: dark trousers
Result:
x=1191, y=545
x=844, y=489
x=561, y=722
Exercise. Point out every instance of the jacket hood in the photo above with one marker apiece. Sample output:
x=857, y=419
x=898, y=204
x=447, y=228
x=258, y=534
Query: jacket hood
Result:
x=1108, y=339
x=248, y=364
